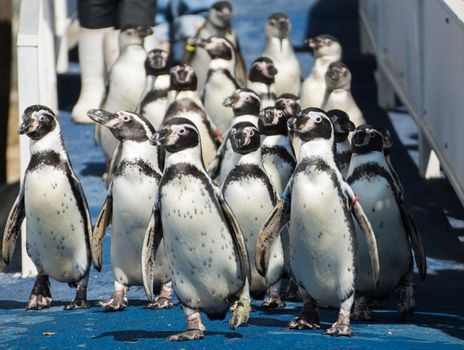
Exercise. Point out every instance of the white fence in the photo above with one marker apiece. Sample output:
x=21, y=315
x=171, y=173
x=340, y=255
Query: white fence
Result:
x=419, y=46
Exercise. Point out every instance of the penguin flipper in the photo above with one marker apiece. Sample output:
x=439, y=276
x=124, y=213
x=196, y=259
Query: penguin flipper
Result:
x=13, y=226
x=236, y=232
x=103, y=220
x=366, y=228
x=414, y=238
x=151, y=242
x=115, y=158
x=215, y=166
x=240, y=69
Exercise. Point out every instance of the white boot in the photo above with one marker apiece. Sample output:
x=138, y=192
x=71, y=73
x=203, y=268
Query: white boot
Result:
x=111, y=48
x=92, y=73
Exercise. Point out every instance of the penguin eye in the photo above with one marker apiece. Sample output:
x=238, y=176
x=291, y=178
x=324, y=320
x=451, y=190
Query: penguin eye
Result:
x=318, y=119
x=248, y=98
x=233, y=131
x=328, y=42
x=126, y=118
x=182, y=131
x=251, y=132
x=371, y=133
x=43, y=118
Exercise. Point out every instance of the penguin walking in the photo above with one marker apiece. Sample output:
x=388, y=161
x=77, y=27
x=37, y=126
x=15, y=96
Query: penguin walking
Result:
x=316, y=205
x=153, y=103
x=128, y=206
x=205, y=249
x=186, y=103
x=58, y=230
x=261, y=80
x=396, y=231
x=217, y=23
x=326, y=50
x=220, y=82
x=338, y=93
x=280, y=50
x=342, y=128
x=246, y=105
x=125, y=82
x=250, y=194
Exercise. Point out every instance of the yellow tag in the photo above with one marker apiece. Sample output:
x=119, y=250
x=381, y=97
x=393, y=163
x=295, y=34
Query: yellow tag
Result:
x=190, y=48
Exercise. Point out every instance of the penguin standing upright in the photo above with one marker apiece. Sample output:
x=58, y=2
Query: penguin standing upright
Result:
x=220, y=82
x=249, y=192
x=317, y=204
x=128, y=206
x=58, y=230
x=261, y=80
x=370, y=176
x=153, y=103
x=205, y=249
x=246, y=105
x=186, y=103
x=338, y=93
x=125, y=82
x=327, y=50
x=292, y=106
x=342, y=128
x=280, y=50
x=217, y=23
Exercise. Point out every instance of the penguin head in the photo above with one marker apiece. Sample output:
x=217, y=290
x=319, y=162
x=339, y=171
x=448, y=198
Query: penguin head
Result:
x=338, y=76
x=273, y=121
x=177, y=134
x=262, y=70
x=325, y=45
x=217, y=47
x=278, y=25
x=342, y=124
x=37, y=121
x=125, y=126
x=183, y=78
x=289, y=103
x=367, y=138
x=244, y=137
x=220, y=14
x=157, y=62
x=132, y=34
x=312, y=123
x=387, y=141
x=243, y=101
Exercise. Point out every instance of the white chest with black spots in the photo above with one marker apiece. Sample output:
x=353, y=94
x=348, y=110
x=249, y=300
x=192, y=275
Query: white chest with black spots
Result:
x=56, y=237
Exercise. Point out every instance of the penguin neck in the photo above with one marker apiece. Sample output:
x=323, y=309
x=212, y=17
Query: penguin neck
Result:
x=136, y=151
x=53, y=141
x=162, y=82
x=321, y=148
x=193, y=95
x=358, y=159
x=262, y=89
x=321, y=65
x=278, y=47
x=214, y=30
x=191, y=156
x=253, y=158
x=221, y=64
x=343, y=146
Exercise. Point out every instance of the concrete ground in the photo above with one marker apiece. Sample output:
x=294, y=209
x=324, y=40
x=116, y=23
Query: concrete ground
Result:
x=439, y=318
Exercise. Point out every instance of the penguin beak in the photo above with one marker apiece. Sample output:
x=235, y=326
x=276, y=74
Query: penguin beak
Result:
x=197, y=42
x=143, y=32
x=291, y=124
x=27, y=126
x=100, y=116
x=311, y=43
x=266, y=117
x=159, y=138
x=230, y=101
x=360, y=138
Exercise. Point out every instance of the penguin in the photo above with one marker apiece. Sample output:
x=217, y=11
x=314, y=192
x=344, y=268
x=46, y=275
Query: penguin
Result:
x=220, y=82
x=186, y=103
x=338, y=93
x=292, y=106
x=397, y=234
x=316, y=205
x=277, y=152
x=261, y=80
x=342, y=128
x=387, y=146
x=218, y=24
x=129, y=205
x=51, y=198
x=153, y=103
x=245, y=104
x=326, y=50
x=126, y=82
x=250, y=194
x=280, y=50
x=204, y=246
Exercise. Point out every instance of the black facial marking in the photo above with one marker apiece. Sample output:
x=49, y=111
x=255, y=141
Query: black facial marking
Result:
x=183, y=78
x=46, y=122
x=367, y=139
x=222, y=49
x=321, y=130
x=157, y=62
x=342, y=124
x=289, y=103
x=256, y=75
x=239, y=135
x=251, y=105
x=133, y=130
x=221, y=5
x=266, y=123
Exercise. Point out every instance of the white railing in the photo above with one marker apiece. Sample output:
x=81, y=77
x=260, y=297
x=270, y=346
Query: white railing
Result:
x=37, y=46
x=419, y=46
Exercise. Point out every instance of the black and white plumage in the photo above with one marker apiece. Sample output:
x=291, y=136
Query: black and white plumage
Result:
x=291, y=105
x=342, y=128
x=327, y=50
x=128, y=206
x=58, y=230
x=318, y=205
x=245, y=105
x=261, y=80
x=204, y=246
x=280, y=50
x=397, y=234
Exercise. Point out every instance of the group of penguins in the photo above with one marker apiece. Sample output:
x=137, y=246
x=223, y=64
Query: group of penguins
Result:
x=221, y=184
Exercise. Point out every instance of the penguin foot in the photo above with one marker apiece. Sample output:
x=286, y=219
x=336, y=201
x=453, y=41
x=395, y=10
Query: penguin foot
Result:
x=362, y=310
x=78, y=304
x=241, y=313
x=273, y=303
x=339, y=329
x=292, y=293
x=191, y=334
x=160, y=303
x=301, y=323
x=38, y=302
x=114, y=304
x=407, y=301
